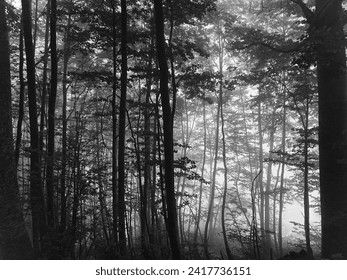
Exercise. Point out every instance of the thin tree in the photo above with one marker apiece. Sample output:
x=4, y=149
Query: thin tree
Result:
x=225, y=191
x=51, y=115
x=21, y=96
x=306, y=98
x=122, y=117
x=63, y=199
x=114, y=128
x=281, y=189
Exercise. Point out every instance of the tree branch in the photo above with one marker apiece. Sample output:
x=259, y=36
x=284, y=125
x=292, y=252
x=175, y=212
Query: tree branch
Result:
x=309, y=15
x=278, y=49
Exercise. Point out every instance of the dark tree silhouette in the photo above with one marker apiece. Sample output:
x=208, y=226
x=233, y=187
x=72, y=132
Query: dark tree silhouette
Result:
x=36, y=192
x=327, y=36
x=172, y=223
x=14, y=242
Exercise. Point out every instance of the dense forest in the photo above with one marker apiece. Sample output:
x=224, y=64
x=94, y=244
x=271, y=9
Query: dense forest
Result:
x=173, y=129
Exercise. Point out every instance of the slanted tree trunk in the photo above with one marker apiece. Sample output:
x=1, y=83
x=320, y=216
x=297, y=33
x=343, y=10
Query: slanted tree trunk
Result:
x=172, y=223
x=21, y=96
x=15, y=242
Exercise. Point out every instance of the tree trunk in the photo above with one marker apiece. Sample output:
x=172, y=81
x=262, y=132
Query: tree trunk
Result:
x=272, y=130
x=213, y=183
x=306, y=185
x=281, y=189
x=122, y=113
x=36, y=192
x=260, y=180
x=21, y=96
x=114, y=129
x=225, y=191
x=51, y=116
x=15, y=242
x=44, y=80
x=327, y=34
x=63, y=198
x=172, y=223
x=197, y=223
x=331, y=70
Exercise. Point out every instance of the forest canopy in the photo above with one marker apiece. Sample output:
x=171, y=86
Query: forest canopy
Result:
x=173, y=129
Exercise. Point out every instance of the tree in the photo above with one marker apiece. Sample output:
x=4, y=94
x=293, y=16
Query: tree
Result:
x=327, y=37
x=121, y=151
x=172, y=223
x=36, y=191
x=15, y=242
x=51, y=115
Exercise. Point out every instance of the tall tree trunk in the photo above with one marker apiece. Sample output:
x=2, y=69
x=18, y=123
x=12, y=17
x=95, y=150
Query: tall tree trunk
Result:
x=36, y=192
x=272, y=130
x=281, y=189
x=304, y=117
x=44, y=80
x=331, y=69
x=122, y=113
x=114, y=129
x=172, y=223
x=226, y=244
x=306, y=185
x=260, y=180
x=149, y=185
x=15, y=242
x=21, y=96
x=197, y=223
x=76, y=179
x=51, y=116
x=327, y=34
x=63, y=202
x=213, y=183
